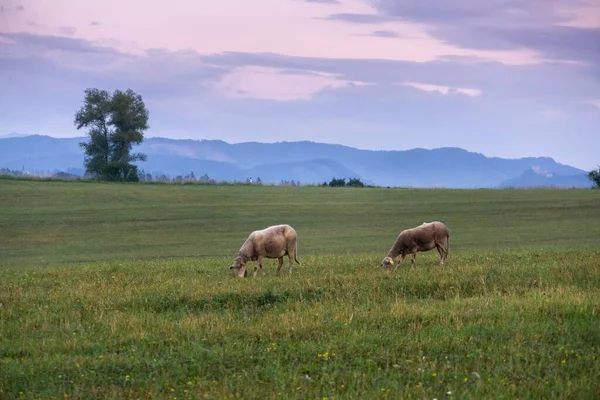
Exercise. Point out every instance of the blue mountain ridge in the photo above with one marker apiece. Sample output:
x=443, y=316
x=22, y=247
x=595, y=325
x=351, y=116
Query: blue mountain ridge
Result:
x=303, y=161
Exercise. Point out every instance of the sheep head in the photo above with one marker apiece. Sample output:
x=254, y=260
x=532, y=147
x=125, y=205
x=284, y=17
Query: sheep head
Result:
x=387, y=263
x=239, y=267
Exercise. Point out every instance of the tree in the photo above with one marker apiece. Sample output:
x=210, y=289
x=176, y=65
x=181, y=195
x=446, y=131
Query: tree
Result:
x=206, y=179
x=190, y=177
x=355, y=182
x=115, y=123
x=595, y=177
x=341, y=182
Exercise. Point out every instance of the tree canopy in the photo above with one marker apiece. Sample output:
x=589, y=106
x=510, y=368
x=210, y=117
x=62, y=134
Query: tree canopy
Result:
x=595, y=177
x=115, y=123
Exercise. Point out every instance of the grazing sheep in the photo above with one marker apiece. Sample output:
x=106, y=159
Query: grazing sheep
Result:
x=272, y=242
x=424, y=237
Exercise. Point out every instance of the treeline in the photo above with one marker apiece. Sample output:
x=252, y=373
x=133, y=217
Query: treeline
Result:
x=341, y=182
x=15, y=173
x=146, y=177
x=191, y=178
x=205, y=179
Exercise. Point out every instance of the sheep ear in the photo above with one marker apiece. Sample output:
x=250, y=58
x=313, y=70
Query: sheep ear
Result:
x=392, y=262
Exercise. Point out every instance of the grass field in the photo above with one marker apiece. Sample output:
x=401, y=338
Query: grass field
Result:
x=124, y=291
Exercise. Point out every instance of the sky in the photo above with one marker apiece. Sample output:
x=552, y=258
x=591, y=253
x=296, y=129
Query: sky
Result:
x=505, y=78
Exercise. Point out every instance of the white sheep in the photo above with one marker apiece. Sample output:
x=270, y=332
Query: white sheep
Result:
x=272, y=242
x=424, y=237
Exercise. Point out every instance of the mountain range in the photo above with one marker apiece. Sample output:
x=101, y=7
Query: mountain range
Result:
x=304, y=161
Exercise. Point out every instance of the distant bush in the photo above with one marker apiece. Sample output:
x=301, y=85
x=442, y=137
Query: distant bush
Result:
x=65, y=175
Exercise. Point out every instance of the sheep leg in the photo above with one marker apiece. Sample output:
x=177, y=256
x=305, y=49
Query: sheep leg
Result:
x=258, y=265
x=290, y=259
x=279, y=265
x=399, y=262
x=413, y=258
x=440, y=251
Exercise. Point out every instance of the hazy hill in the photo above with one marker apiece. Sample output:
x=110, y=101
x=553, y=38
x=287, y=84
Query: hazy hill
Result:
x=307, y=162
x=535, y=177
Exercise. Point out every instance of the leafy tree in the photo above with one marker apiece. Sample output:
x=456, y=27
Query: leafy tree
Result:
x=355, y=182
x=337, y=182
x=595, y=177
x=115, y=123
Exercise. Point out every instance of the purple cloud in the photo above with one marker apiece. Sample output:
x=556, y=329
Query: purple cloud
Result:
x=544, y=81
x=361, y=18
x=25, y=42
x=67, y=30
x=495, y=25
x=457, y=12
x=4, y=9
x=385, y=34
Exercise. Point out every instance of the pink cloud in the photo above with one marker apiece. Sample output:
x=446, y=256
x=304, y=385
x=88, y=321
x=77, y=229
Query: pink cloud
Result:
x=444, y=89
x=585, y=16
x=273, y=84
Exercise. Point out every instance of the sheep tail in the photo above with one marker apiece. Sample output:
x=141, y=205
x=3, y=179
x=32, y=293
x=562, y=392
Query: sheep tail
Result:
x=296, y=253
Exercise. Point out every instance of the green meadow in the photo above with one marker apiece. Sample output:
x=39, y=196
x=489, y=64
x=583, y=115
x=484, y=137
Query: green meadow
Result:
x=124, y=291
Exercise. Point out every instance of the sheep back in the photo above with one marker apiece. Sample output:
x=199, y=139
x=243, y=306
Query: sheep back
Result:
x=272, y=242
x=423, y=237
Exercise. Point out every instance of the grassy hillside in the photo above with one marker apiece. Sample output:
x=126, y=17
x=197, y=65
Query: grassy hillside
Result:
x=123, y=291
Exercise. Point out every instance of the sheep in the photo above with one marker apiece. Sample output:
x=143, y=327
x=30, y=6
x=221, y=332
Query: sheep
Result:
x=272, y=242
x=424, y=237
